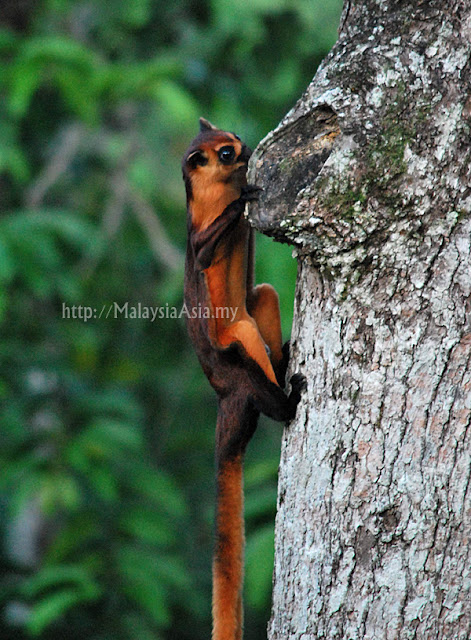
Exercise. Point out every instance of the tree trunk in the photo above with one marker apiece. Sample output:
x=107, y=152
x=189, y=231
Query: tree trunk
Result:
x=369, y=178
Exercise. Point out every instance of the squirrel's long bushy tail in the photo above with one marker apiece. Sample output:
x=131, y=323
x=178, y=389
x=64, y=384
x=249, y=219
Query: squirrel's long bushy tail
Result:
x=228, y=562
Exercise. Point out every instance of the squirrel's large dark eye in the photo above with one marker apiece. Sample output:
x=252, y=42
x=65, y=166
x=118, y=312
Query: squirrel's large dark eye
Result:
x=226, y=154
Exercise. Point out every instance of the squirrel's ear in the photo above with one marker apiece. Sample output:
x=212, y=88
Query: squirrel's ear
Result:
x=205, y=125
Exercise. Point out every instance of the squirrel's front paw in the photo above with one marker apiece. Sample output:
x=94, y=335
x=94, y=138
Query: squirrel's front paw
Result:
x=298, y=384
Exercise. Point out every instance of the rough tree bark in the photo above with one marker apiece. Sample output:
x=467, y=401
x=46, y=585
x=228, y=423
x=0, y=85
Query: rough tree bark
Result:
x=369, y=177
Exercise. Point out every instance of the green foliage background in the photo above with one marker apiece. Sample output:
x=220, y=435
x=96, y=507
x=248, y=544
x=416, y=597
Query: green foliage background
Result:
x=106, y=441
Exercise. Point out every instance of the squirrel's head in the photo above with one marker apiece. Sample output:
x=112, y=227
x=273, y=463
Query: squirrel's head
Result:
x=215, y=156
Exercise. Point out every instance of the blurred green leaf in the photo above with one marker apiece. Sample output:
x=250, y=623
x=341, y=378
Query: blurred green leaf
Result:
x=52, y=607
x=260, y=502
x=7, y=40
x=26, y=79
x=261, y=471
x=80, y=529
x=13, y=161
x=135, y=626
x=104, y=484
x=158, y=487
x=63, y=574
x=67, y=226
x=142, y=583
x=7, y=267
x=51, y=59
x=137, y=80
x=177, y=104
x=137, y=13
x=147, y=525
x=58, y=491
x=259, y=566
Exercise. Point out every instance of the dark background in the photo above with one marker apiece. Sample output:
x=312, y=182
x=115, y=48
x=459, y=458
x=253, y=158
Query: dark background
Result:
x=106, y=436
